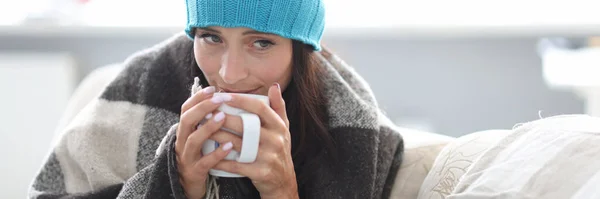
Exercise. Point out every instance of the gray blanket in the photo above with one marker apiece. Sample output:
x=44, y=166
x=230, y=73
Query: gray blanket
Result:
x=112, y=148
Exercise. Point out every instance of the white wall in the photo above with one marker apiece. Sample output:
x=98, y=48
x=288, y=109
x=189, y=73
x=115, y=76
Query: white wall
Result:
x=459, y=85
x=35, y=89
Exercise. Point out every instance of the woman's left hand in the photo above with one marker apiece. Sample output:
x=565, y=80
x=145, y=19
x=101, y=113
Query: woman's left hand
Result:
x=273, y=171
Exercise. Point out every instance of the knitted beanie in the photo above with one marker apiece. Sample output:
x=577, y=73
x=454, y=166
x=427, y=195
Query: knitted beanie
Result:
x=302, y=20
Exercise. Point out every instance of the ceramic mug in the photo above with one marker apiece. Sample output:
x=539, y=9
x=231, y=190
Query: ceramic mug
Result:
x=250, y=138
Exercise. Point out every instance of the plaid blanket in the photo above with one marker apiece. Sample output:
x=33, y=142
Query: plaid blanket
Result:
x=121, y=145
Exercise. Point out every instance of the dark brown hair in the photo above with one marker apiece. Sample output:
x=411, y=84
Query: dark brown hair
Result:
x=307, y=112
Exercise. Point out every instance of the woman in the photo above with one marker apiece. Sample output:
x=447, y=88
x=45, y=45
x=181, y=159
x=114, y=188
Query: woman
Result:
x=322, y=135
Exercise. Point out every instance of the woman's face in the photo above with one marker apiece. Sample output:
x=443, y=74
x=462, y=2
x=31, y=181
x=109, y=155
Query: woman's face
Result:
x=241, y=60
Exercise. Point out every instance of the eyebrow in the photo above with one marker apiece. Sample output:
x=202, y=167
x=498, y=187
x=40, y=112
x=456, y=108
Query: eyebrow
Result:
x=249, y=32
x=210, y=30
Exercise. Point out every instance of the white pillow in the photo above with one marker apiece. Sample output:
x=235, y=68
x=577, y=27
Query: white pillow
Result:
x=557, y=157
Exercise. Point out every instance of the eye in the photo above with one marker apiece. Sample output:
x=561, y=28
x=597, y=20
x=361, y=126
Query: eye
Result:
x=262, y=44
x=210, y=38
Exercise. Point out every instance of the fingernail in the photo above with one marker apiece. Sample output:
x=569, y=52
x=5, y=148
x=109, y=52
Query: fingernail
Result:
x=278, y=87
x=208, y=116
x=219, y=116
x=216, y=99
x=226, y=97
x=208, y=90
x=227, y=146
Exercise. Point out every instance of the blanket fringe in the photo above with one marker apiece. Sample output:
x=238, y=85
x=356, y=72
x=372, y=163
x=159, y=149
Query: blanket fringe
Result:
x=196, y=87
x=212, y=188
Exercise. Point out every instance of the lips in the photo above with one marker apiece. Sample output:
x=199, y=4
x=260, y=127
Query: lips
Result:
x=252, y=91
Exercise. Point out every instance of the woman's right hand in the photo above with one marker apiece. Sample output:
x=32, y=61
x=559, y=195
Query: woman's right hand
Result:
x=193, y=167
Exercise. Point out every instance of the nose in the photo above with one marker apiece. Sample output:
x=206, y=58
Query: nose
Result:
x=232, y=67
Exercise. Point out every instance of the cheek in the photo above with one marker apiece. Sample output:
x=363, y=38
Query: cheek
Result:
x=208, y=61
x=275, y=69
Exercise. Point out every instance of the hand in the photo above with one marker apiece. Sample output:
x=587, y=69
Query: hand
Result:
x=192, y=166
x=273, y=171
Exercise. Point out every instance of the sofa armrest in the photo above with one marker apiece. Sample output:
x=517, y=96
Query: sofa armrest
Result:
x=90, y=88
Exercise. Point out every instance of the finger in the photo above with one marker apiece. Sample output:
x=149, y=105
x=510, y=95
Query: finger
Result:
x=267, y=116
x=193, y=146
x=277, y=103
x=244, y=169
x=210, y=160
x=189, y=103
x=190, y=119
x=224, y=137
x=234, y=123
x=197, y=98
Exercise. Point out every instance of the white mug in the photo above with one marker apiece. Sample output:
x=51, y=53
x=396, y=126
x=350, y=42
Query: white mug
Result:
x=250, y=138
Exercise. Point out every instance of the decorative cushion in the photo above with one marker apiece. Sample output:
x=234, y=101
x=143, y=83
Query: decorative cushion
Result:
x=421, y=149
x=454, y=160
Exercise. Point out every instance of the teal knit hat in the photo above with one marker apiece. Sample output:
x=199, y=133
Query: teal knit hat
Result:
x=302, y=20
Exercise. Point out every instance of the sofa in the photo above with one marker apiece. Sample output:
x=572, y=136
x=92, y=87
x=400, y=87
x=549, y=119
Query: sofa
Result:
x=438, y=166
